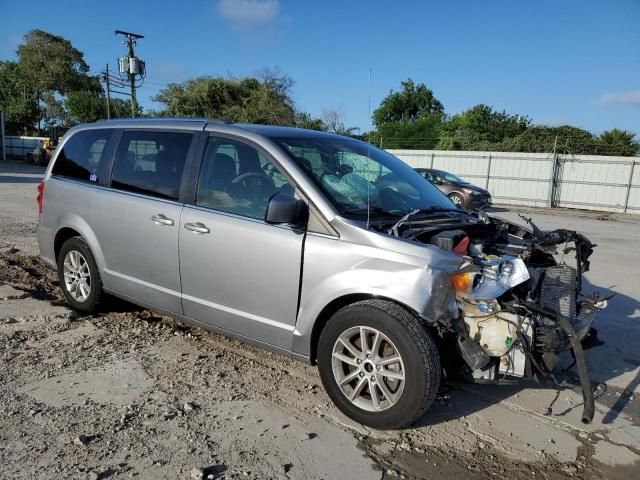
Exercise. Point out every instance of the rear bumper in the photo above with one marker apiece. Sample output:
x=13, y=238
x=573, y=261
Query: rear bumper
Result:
x=45, y=243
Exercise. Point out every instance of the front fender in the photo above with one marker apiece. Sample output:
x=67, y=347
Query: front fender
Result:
x=335, y=269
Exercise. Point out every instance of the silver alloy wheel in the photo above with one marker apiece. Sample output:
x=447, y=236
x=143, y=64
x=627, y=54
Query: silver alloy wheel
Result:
x=77, y=276
x=456, y=199
x=368, y=368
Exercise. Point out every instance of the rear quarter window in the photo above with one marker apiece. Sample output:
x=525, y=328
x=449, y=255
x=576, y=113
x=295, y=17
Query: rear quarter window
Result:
x=81, y=155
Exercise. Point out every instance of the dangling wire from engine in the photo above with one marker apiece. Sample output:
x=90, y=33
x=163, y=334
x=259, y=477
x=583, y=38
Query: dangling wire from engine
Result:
x=545, y=373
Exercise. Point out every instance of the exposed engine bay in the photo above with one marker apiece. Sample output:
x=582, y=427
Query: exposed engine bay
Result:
x=519, y=306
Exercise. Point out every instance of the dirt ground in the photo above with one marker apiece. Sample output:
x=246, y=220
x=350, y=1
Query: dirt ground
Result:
x=128, y=393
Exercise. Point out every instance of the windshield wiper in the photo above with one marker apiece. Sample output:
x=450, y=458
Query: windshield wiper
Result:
x=394, y=229
x=379, y=211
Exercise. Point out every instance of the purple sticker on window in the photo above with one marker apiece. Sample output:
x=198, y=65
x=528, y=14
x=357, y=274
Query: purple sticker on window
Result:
x=93, y=177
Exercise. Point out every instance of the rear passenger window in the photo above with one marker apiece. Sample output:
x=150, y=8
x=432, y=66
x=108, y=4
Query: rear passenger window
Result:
x=81, y=154
x=151, y=163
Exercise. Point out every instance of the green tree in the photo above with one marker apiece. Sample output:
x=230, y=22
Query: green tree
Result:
x=618, y=142
x=563, y=139
x=48, y=67
x=481, y=128
x=16, y=102
x=304, y=120
x=278, y=83
x=407, y=105
x=259, y=102
x=121, y=108
x=249, y=100
x=84, y=106
x=51, y=64
x=422, y=133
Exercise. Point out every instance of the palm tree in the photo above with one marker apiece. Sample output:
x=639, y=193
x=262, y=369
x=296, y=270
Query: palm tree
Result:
x=618, y=142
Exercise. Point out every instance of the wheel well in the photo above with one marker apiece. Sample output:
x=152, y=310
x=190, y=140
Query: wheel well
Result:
x=331, y=308
x=62, y=236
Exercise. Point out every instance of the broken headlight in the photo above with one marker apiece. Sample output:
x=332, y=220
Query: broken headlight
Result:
x=495, y=278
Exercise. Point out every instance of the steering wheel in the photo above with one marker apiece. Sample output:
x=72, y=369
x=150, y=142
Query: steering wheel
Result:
x=261, y=175
x=254, y=191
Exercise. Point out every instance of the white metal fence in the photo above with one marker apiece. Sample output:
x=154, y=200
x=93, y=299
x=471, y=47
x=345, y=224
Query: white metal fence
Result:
x=590, y=182
x=21, y=148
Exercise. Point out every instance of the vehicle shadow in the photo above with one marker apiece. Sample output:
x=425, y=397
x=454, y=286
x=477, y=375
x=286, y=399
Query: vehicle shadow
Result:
x=618, y=357
x=15, y=179
x=623, y=400
x=8, y=167
x=494, y=209
x=457, y=399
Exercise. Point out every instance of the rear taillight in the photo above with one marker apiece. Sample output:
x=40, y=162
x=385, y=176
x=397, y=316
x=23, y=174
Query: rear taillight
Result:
x=40, y=196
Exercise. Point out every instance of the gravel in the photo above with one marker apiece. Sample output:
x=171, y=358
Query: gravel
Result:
x=251, y=419
x=128, y=392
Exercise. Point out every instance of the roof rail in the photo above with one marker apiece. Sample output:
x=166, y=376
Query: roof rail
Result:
x=166, y=119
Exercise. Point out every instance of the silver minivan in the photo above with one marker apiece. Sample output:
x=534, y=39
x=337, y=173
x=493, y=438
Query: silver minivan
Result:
x=320, y=247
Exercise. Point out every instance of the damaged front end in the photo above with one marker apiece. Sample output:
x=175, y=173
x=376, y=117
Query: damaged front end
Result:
x=519, y=307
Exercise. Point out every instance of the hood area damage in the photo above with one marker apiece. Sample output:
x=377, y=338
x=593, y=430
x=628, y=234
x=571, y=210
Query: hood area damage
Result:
x=519, y=306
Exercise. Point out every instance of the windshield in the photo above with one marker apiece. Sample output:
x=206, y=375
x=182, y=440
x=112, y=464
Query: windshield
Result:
x=357, y=177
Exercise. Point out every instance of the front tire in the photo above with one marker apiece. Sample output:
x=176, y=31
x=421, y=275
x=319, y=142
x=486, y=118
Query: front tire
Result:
x=78, y=275
x=457, y=199
x=379, y=364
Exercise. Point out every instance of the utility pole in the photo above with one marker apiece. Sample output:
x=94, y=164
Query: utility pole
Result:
x=106, y=80
x=131, y=66
x=111, y=81
x=132, y=78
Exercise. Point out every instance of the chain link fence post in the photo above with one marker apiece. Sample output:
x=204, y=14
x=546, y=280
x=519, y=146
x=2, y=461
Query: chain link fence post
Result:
x=554, y=182
x=626, y=200
x=551, y=181
x=486, y=183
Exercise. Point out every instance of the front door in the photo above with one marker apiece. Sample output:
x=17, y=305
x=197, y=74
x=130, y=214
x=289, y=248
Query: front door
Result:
x=238, y=272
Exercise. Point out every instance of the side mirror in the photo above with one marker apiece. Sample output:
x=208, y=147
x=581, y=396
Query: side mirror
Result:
x=285, y=208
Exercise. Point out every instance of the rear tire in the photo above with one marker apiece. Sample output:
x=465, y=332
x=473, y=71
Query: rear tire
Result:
x=78, y=275
x=402, y=366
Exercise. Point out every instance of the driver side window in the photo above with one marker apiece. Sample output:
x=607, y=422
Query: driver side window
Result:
x=438, y=180
x=236, y=178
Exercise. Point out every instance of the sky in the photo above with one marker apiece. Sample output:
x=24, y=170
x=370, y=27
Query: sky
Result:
x=559, y=62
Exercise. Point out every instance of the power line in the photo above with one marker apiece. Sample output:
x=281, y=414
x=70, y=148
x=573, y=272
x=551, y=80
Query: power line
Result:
x=107, y=79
